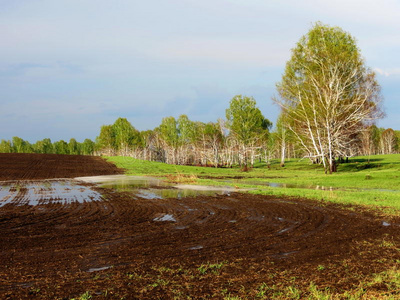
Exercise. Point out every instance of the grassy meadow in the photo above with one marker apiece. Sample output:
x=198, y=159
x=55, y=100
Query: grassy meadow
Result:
x=367, y=181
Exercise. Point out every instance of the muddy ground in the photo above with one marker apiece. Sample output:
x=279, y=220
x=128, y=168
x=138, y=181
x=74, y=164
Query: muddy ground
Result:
x=125, y=247
x=29, y=166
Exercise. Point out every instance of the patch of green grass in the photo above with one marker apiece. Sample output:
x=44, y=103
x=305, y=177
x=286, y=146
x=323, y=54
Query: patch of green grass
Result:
x=84, y=296
x=214, y=268
x=372, y=182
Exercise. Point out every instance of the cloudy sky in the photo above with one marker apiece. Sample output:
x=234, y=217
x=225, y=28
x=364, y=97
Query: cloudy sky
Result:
x=69, y=66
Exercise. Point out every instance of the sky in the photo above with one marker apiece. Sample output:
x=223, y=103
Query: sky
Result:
x=67, y=67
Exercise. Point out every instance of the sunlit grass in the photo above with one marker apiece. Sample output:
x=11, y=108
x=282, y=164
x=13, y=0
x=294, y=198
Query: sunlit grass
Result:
x=369, y=181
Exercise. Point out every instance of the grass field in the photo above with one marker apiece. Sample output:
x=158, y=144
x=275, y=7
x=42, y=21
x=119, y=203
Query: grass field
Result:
x=372, y=182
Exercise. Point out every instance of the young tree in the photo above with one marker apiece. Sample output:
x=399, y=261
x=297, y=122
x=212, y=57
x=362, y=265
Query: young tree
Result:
x=281, y=136
x=328, y=93
x=87, y=147
x=21, y=146
x=389, y=140
x=105, y=142
x=246, y=123
x=169, y=133
x=74, y=147
x=5, y=146
x=186, y=132
x=43, y=146
x=125, y=136
x=60, y=147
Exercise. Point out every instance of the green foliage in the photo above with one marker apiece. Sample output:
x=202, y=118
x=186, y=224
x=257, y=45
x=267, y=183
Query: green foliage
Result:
x=84, y=296
x=169, y=131
x=73, y=147
x=186, y=130
x=61, y=147
x=245, y=120
x=21, y=146
x=43, y=146
x=328, y=93
x=106, y=139
x=6, y=146
x=125, y=135
x=87, y=147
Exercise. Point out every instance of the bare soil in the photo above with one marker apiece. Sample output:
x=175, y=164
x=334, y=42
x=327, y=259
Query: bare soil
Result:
x=201, y=248
x=30, y=166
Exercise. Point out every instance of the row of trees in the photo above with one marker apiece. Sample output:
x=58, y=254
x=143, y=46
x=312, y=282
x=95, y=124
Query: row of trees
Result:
x=223, y=143
x=240, y=139
x=182, y=141
x=18, y=145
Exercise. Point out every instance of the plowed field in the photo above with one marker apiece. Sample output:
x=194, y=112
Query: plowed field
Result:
x=29, y=166
x=189, y=248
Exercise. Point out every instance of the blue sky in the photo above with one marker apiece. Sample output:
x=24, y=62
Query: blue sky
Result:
x=69, y=66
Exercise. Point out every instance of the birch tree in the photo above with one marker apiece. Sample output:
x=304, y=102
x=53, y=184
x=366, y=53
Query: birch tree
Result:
x=389, y=140
x=328, y=93
x=105, y=142
x=247, y=124
x=169, y=133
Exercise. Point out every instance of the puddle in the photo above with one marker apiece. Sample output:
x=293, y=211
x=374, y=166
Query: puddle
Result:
x=165, y=218
x=284, y=254
x=99, y=269
x=196, y=247
x=303, y=186
x=287, y=185
x=284, y=230
x=148, y=194
x=385, y=224
x=124, y=180
x=66, y=191
x=45, y=192
x=181, y=227
x=155, y=188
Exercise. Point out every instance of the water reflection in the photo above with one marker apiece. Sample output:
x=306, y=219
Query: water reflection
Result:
x=46, y=191
x=305, y=186
x=155, y=188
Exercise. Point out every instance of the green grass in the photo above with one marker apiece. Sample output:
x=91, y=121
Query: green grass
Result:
x=372, y=183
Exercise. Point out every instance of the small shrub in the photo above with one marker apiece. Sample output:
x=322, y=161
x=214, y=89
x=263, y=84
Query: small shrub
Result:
x=182, y=178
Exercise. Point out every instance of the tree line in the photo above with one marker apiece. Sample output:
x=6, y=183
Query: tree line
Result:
x=18, y=145
x=329, y=102
x=238, y=140
x=182, y=141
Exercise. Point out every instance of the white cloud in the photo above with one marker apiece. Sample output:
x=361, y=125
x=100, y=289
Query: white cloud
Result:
x=388, y=72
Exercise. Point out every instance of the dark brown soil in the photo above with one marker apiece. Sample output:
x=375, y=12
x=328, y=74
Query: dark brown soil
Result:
x=25, y=166
x=213, y=247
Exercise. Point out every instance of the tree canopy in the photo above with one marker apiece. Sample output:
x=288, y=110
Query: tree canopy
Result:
x=328, y=93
